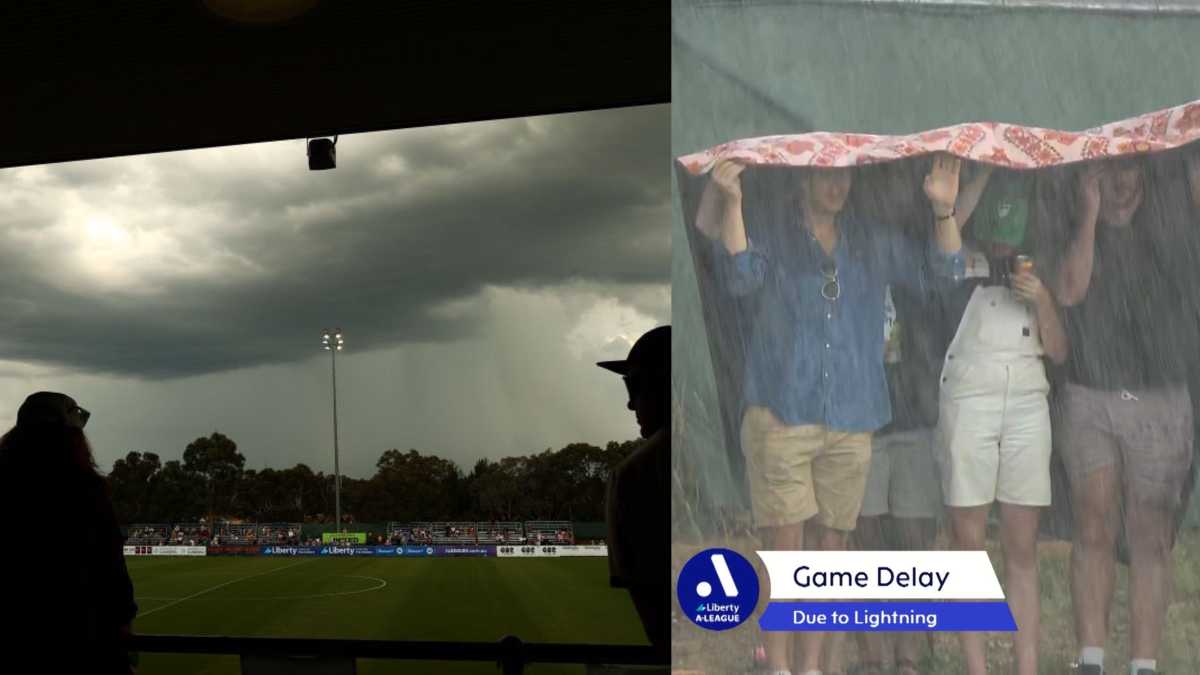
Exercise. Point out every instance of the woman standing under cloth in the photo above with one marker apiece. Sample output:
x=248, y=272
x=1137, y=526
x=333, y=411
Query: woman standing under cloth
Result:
x=993, y=439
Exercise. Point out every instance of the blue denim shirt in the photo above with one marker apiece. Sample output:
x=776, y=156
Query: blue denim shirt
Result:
x=814, y=361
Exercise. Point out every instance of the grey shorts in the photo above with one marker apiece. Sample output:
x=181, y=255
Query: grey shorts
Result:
x=903, y=478
x=1146, y=432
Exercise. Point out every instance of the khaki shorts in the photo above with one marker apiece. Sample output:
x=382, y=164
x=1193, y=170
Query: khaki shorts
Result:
x=797, y=472
x=1147, y=433
x=903, y=479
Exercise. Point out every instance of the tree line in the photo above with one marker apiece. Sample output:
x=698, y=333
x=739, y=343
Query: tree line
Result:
x=212, y=481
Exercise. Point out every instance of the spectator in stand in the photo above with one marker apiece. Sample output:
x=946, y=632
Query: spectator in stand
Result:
x=1129, y=283
x=82, y=601
x=639, y=508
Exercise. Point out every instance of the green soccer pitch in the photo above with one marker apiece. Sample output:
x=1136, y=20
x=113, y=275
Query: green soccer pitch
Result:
x=468, y=599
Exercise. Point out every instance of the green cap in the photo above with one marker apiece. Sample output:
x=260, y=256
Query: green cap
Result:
x=1003, y=214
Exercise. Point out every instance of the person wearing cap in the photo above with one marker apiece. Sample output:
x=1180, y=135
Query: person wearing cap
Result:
x=638, y=505
x=811, y=277
x=1126, y=428
x=993, y=440
x=78, y=600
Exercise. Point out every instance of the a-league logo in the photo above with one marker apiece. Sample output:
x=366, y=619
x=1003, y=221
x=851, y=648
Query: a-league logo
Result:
x=718, y=589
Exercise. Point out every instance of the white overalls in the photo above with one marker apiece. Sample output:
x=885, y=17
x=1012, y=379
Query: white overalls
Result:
x=993, y=435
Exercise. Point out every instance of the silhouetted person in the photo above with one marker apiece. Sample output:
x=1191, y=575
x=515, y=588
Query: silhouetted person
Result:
x=639, y=507
x=67, y=609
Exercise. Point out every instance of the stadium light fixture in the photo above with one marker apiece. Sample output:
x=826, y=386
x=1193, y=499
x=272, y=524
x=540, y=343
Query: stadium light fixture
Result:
x=322, y=154
x=333, y=346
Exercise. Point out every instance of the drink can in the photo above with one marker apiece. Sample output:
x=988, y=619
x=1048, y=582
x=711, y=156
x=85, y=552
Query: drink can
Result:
x=1022, y=263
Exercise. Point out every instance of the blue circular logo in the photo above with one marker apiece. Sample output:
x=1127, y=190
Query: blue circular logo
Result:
x=718, y=589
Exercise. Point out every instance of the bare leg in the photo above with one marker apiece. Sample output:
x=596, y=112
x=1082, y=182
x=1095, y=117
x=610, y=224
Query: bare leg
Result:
x=833, y=658
x=1018, y=535
x=812, y=542
x=784, y=538
x=811, y=642
x=1094, y=498
x=1150, y=529
x=868, y=536
x=968, y=526
x=913, y=534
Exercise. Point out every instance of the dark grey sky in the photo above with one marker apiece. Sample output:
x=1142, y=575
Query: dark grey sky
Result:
x=477, y=270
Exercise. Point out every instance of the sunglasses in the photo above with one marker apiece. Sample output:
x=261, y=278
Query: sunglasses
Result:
x=83, y=415
x=831, y=290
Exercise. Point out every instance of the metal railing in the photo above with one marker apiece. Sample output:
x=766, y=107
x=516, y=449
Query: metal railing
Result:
x=511, y=654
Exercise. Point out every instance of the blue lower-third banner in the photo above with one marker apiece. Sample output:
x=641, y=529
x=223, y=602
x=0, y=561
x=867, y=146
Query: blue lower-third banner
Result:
x=887, y=616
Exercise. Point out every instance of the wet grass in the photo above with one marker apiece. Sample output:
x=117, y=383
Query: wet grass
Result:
x=469, y=599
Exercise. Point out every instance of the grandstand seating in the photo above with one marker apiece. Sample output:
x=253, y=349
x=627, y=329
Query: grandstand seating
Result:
x=500, y=533
x=188, y=534
x=148, y=534
x=550, y=532
x=397, y=533
x=279, y=533
x=482, y=532
x=410, y=533
x=453, y=533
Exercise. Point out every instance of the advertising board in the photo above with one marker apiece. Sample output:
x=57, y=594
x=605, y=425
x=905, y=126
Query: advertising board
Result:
x=551, y=551
x=470, y=551
x=179, y=550
x=343, y=537
x=527, y=551
x=234, y=549
x=348, y=550
x=289, y=550
x=600, y=551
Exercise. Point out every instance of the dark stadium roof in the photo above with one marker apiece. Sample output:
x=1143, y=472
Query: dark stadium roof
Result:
x=84, y=80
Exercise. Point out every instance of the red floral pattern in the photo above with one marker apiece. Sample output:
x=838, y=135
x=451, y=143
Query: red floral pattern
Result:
x=799, y=147
x=997, y=143
x=968, y=137
x=1190, y=119
x=998, y=156
x=1096, y=146
x=1041, y=152
x=1061, y=137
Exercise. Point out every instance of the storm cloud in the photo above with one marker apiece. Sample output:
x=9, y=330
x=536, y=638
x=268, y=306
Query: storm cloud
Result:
x=478, y=270
x=194, y=262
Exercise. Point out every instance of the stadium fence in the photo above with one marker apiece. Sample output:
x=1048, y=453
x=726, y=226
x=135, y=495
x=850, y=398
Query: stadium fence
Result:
x=263, y=655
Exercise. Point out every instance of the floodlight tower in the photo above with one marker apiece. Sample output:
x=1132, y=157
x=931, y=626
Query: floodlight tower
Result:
x=332, y=342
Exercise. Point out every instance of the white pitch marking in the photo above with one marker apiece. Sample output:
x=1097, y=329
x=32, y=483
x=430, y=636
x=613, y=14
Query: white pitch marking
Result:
x=382, y=583
x=209, y=590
